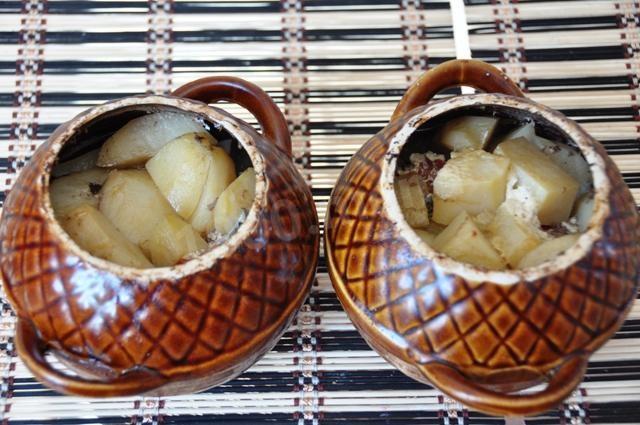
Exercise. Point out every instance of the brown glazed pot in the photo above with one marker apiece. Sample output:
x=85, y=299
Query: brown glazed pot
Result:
x=475, y=334
x=165, y=330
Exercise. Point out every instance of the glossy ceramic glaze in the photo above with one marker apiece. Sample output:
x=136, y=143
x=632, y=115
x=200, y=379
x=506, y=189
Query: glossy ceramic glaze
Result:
x=479, y=335
x=165, y=330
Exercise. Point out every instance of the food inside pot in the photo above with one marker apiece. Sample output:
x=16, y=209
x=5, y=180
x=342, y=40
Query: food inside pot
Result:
x=158, y=191
x=494, y=193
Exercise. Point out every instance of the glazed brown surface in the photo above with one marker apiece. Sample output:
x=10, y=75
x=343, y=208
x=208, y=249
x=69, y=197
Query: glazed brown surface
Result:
x=475, y=340
x=164, y=335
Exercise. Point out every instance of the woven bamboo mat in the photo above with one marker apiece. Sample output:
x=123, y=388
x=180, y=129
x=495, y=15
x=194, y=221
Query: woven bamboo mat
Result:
x=337, y=69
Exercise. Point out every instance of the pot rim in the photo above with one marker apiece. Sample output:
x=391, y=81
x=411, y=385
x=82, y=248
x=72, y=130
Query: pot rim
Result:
x=446, y=264
x=200, y=262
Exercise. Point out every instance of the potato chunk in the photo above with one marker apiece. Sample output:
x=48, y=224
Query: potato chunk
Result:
x=83, y=162
x=553, y=190
x=142, y=137
x=180, y=169
x=584, y=211
x=511, y=234
x=222, y=171
x=463, y=241
x=467, y=132
x=133, y=203
x=172, y=239
x=427, y=237
x=471, y=181
x=569, y=159
x=411, y=199
x=75, y=189
x=548, y=250
x=234, y=203
x=93, y=232
x=566, y=157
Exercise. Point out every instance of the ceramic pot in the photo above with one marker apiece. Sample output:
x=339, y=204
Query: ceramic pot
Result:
x=479, y=335
x=165, y=330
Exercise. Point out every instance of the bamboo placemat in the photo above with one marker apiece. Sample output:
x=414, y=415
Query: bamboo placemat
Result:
x=337, y=69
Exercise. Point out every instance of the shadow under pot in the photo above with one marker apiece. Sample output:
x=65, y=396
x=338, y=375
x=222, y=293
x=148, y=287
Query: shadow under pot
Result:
x=477, y=329
x=166, y=328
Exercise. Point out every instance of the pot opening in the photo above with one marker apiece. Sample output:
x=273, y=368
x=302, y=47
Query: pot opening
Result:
x=154, y=185
x=503, y=193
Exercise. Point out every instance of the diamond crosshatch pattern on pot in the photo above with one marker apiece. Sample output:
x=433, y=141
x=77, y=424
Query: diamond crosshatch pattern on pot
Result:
x=357, y=68
x=187, y=322
x=479, y=326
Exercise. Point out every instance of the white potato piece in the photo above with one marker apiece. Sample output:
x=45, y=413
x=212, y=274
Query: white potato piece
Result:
x=427, y=237
x=584, y=210
x=70, y=191
x=235, y=202
x=566, y=157
x=411, y=200
x=172, y=240
x=513, y=236
x=548, y=250
x=222, y=171
x=467, y=132
x=463, y=241
x=444, y=211
x=94, y=233
x=472, y=181
x=133, y=203
x=142, y=137
x=569, y=159
x=81, y=163
x=554, y=191
x=527, y=131
x=180, y=169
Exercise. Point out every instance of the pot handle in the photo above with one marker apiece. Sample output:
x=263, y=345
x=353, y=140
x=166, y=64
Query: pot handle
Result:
x=32, y=352
x=246, y=94
x=458, y=72
x=452, y=382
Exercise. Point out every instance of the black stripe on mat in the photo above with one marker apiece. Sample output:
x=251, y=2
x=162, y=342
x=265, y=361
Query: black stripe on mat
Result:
x=358, y=380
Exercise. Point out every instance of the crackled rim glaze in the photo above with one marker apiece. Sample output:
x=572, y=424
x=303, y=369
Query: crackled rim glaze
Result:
x=477, y=274
x=201, y=262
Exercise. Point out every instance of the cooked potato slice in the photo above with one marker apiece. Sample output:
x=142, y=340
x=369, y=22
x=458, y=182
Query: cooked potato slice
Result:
x=584, y=210
x=235, y=202
x=93, y=232
x=467, y=132
x=462, y=240
x=76, y=189
x=142, y=137
x=569, y=159
x=222, y=171
x=548, y=250
x=473, y=181
x=566, y=157
x=171, y=240
x=512, y=235
x=411, y=199
x=444, y=211
x=527, y=131
x=81, y=163
x=554, y=190
x=180, y=169
x=427, y=237
x=133, y=203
